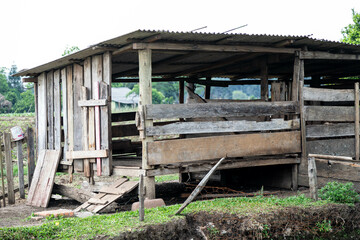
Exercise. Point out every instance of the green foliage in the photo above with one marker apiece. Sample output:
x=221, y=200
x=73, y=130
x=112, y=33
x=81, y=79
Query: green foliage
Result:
x=351, y=33
x=239, y=95
x=324, y=226
x=69, y=50
x=339, y=193
x=15, y=82
x=4, y=87
x=12, y=96
x=26, y=103
x=157, y=96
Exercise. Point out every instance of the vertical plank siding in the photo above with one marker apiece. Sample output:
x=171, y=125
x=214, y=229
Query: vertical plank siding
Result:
x=50, y=108
x=42, y=113
x=78, y=80
x=64, y=111
x=57, y=111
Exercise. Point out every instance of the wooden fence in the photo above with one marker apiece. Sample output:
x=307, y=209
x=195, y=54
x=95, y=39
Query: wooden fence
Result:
x=6, y=155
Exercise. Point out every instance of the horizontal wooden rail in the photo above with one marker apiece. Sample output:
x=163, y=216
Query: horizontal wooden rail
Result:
x=92, y=103
x=221, y=127
x=330, y=130
x=329, y=113
x=328, y=56
x=200, y=149
x=201, y=110
x=87, y=154
x=328, y=95
x=335, y=147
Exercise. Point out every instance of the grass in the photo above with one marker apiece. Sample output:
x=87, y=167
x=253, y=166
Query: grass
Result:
x=114, y=224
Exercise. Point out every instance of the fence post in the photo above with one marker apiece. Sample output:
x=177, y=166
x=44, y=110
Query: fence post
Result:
x=312, y=178
x=20, y=168
x=31, y=154
x=9, y=168
x=2, y=173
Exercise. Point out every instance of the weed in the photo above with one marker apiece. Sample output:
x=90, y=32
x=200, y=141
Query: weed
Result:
x=339, y=193
x=213, y=231
x=324, y=226
x=265, y=231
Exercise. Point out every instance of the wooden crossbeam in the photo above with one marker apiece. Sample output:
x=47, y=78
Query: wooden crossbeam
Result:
x=328, y=56
x=212, y=48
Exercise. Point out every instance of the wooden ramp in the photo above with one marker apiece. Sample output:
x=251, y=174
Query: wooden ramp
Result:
x=43, y=178
x=108, y=195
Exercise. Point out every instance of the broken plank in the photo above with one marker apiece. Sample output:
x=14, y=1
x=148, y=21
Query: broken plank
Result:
x=232, y=109
x=182, y=150
x=94, y=201
x=88, y=154
x=221, y=127
x=9, y=168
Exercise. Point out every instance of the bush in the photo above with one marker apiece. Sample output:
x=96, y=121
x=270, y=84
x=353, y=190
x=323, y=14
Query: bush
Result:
x=339, y=192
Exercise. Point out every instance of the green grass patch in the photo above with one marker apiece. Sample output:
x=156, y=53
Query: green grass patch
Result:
x=112, y=225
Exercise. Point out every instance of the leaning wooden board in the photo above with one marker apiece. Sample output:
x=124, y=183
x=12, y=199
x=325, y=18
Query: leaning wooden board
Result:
x=43, y=179
x=108, y=195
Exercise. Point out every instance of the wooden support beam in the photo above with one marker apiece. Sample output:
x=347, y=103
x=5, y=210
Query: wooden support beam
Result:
x=264, y=80
x=42, y=113
x=312, y=178
x=57, y=110
x=208, y=88
x=181, y=91
x=211, y=48
x=78, y=81
x=357, y=119
x=50, y=109
x=29, y=79
x=328, y=56
x=295, y=81
x=20, y=160
x=145, y=89
x=64, y=97
x=2, y=172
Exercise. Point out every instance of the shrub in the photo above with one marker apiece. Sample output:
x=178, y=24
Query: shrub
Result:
x=339, y=192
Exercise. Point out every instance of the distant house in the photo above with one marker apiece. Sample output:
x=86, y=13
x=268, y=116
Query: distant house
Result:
x=121, y=97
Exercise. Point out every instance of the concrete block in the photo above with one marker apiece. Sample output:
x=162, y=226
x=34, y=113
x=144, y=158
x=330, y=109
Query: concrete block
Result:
x=149, y=203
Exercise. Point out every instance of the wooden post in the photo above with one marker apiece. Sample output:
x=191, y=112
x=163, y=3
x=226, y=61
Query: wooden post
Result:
x=85, y=117
x=312, y=178
x=77, y=81
x=208, y=88
x=145, y=89
x=357, y=141
x=30, y=153
x=2, y=173
x=70, y=116
x=65, y=111
x=50, y=109
x=141, y=198
x=181, y=91
x=57, y=111
x=20, y=169
x=191, y=86
x=295, y=81
x=264, y=81
x=42, y=114
x=9, y=168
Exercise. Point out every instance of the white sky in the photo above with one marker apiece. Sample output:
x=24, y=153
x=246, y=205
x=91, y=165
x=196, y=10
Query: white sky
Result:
x=34, y=32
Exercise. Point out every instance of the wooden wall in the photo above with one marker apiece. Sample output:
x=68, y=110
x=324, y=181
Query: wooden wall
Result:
x=60, y=116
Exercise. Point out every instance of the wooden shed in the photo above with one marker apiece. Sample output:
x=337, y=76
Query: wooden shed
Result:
x=311, y=107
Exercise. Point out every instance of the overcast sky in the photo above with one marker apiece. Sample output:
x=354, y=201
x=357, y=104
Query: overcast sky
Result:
x=34, y=32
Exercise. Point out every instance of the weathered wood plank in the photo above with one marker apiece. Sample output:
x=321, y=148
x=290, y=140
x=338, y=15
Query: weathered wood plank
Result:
x=57, y=111
x=70, y=114
x=85, y=132
x=65, y=111
x=119, y=171
x=295, y=80
x=90, y=118
x=312, y=178
x=124, y=130
x=106, y=163
x=329, y=113
x=328, y=95
x=330, y=130
x=30, y=154
x=42, y=113
x=36, y=177
x=2, y=172
x=182, y=150
x=264, y=80
x=88, y=154
x=222, y=127
x=92, y=103
x=199, y=110
x=337, y=147
x=78, y=81
x=9, y=168
x=50, y=108
x=329, y=56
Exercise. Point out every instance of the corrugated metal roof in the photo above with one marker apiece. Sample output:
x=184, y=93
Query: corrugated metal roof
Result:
x=192, y=37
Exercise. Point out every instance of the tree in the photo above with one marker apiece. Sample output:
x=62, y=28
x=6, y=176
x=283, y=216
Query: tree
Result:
x=26, y=103
x=69, y=50
x=239, y=95
x=4, y=87
x=157, y=96
x=351, y=33
x=15, y=82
